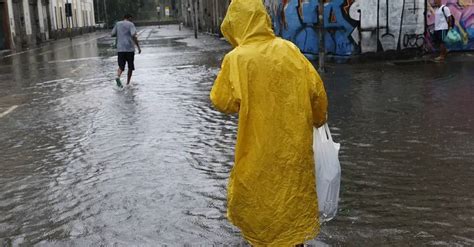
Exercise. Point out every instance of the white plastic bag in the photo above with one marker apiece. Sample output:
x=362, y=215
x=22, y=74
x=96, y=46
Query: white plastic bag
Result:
x=328, y=172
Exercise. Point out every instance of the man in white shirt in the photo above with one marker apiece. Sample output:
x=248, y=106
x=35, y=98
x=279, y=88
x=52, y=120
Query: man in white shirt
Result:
x=443, y=22
x=126, y=34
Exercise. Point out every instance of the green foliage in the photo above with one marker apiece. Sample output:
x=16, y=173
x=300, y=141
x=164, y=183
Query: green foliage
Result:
x=116, y=9
x=142, y=10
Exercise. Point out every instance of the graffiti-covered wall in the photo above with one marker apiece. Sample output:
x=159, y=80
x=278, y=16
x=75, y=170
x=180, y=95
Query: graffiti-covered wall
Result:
x=387, y=24
x=463, y=12
x=297, y=20
x=363, y=26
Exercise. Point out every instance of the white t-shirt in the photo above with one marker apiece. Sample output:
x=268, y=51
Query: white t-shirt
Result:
x=125, y=30
x=440, y=18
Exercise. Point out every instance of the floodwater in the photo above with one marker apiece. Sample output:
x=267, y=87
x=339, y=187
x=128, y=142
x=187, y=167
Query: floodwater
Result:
x=83, y=163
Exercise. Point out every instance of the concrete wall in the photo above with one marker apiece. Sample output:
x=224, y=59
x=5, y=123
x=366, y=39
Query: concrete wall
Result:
x=46, y=21
x=26, y=15
x=351, y=26
x=11, y=23
x=366, y=26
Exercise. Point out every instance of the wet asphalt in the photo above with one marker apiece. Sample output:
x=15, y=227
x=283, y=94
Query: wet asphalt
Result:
x=84, y=163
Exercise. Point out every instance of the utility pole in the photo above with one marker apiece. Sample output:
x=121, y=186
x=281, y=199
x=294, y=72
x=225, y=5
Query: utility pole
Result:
x=195, y=18
x=322, y=46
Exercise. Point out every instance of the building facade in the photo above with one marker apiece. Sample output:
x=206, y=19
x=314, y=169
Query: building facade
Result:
x=82, y=19
x=27, y=23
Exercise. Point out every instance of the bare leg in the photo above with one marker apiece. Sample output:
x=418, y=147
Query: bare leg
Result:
x=444, y=51
x=129, y=76
x=119, y=73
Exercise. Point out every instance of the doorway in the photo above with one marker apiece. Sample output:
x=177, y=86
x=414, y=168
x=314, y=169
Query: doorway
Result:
x=4, y=27
x=35, y=25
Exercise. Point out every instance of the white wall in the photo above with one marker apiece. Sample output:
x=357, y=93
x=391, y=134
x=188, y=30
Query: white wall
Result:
x=26, y=13
x=91, y=4
x=79, y=8
x=55, y=22
x=405, y=18
x=88, y=16
x=91, y=13
x=10, y=17
x=81, y=14
x=12, y=23
x=41, y=16
x=45, y=20
x=75, y=18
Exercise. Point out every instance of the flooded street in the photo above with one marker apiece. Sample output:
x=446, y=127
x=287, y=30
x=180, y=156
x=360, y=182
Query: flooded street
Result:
x=83, y=163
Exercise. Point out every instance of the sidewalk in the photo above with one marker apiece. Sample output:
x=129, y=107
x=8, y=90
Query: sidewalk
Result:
x=391, y=57
x=51, y=43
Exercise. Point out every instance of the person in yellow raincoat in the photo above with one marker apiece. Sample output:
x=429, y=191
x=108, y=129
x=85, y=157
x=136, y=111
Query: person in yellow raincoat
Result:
x=279, y=97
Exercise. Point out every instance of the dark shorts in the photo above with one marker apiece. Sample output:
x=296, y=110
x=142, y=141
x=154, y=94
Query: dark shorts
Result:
x=439, y=37
x=126, y=58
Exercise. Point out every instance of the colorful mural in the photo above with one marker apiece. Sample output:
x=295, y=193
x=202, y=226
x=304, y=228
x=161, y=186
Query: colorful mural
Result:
x=463, y=12
x=363, y=26
x=297, y=20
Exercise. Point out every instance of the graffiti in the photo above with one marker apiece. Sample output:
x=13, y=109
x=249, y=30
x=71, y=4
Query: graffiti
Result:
x=463, y=12
x=339, y=30
x=414, y=40
x=383, y=23
x=297, y=21
x=362, y=26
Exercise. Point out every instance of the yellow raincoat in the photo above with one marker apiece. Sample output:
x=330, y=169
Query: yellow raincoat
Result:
x=279, y=97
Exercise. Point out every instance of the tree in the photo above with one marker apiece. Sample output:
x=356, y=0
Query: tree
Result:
x=114, y=10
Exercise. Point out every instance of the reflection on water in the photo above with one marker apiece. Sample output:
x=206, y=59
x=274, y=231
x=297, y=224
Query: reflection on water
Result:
x=83, y=163
x=407, y=153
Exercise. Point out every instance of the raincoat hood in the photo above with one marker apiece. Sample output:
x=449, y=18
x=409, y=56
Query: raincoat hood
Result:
x=279, y=97
x=246, y=21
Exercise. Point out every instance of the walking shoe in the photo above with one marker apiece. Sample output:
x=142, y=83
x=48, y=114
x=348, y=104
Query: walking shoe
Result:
x=119, y=83
x=439, y=59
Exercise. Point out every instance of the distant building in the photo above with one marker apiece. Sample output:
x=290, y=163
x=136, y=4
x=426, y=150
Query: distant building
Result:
x=26, y=23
